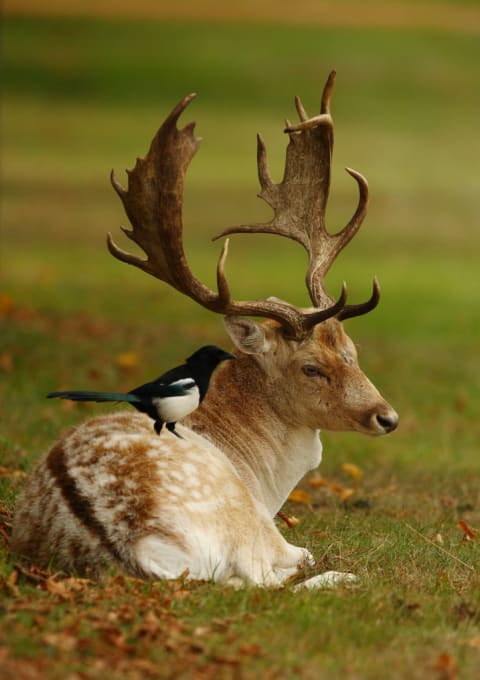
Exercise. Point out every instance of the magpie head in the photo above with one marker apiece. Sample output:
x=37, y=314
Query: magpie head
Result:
x=208, y=357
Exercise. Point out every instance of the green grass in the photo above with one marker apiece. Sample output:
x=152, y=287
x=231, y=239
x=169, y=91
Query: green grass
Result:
x=82, y=96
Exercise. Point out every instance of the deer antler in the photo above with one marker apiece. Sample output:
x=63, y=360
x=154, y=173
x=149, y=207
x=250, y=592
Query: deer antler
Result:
x=299, y=201
x=153, y=203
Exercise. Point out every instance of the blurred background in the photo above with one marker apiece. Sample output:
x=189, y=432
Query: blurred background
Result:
x=86, y=85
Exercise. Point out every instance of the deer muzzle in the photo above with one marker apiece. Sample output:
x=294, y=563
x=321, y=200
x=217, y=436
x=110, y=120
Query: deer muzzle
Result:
x=382, y=421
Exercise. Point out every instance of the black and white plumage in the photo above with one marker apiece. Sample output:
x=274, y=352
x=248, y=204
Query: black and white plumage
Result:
x=169, y=398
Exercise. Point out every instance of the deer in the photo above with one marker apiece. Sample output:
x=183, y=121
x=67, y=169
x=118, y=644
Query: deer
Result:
x=112, y=493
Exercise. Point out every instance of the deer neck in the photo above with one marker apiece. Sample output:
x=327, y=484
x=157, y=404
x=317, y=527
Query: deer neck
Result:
x=240, y=415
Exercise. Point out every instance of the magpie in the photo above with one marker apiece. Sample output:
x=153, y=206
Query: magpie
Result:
x=170, y=397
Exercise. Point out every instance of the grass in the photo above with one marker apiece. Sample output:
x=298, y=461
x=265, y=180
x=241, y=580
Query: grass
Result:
x=82, y=96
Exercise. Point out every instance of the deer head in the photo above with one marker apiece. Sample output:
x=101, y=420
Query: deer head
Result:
x=306, y=348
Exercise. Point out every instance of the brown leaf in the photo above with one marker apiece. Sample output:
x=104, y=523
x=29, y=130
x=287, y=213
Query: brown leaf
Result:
x=317, y=482
x=127, y=361
x=7, y=304
x=150, y=625
x=250, y=650
x=8, y=587
x=300, y=496
x=6, y=362
x=14, y=474
x=342, y=491
x=60, y=641
x=447, y=502
x=473, y=642
x=353, y=470
x=290, y=520
x=345, y=493
x=57, y=588
x=468, y=533
x=446, y=667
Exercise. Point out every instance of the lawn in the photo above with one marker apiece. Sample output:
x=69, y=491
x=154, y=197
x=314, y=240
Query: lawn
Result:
x=84, y=95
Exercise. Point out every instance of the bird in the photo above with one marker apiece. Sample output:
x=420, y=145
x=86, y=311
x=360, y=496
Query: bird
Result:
x=169, y=398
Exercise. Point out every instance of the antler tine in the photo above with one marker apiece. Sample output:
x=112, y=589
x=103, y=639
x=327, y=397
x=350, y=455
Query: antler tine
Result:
x=349, y=311
x=332, y=244
x=264, y=175
x=327, y=92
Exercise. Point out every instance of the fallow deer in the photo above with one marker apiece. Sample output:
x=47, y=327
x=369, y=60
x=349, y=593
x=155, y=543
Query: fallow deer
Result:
x=113, y=492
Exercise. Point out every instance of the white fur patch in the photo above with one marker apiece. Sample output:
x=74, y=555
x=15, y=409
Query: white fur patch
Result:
x=329, y=579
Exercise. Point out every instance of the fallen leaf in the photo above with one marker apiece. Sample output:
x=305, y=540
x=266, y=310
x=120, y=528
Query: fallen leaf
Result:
x=14, y=474
x=7, y=304
x=57, y=588
x=345, y=494
x=446, y=667
x=8, y=587
x=290, y=520
x=127, y=361
x=447, y=502
x=317, y=482
x=473, y=642
x=6, y=362
x=60, y=641
x=468, y=533
x=300, y=496
x=353, y=470
x=250, y=650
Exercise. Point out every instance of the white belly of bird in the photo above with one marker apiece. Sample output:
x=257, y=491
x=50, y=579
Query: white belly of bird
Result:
x=171, y=409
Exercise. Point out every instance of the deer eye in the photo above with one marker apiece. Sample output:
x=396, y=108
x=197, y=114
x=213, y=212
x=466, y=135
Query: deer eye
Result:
x=313, y=371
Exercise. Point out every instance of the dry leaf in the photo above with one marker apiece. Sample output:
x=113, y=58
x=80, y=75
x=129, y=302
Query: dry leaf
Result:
x=342, y=491
x=473, y=642
x=300, y=496
x=8, y=586
x=317, y=482
x=60, y=641
x=353, y=470
x=345, y=493
x=468, y=533
x=57, y=588
x=250, y=649
x=289, y=520
x=446, y=667
x=6, y=304
x=14, y=474
x=127, y=361
x=6, y=362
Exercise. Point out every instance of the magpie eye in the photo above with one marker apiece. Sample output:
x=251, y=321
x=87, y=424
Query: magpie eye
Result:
x=313, y=371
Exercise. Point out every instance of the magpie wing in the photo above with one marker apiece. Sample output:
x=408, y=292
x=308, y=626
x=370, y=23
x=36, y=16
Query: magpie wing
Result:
x=158, y=389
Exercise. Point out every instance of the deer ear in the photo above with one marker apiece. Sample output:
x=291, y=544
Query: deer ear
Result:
x=248, y=336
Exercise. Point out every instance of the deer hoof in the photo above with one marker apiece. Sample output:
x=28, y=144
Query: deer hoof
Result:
x=330, y=579
x=308, y=559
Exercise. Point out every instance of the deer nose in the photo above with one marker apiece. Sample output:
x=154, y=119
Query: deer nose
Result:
x=388, y=422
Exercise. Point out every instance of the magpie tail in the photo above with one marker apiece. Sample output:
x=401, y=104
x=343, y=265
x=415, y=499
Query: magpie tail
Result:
x=80, y=395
